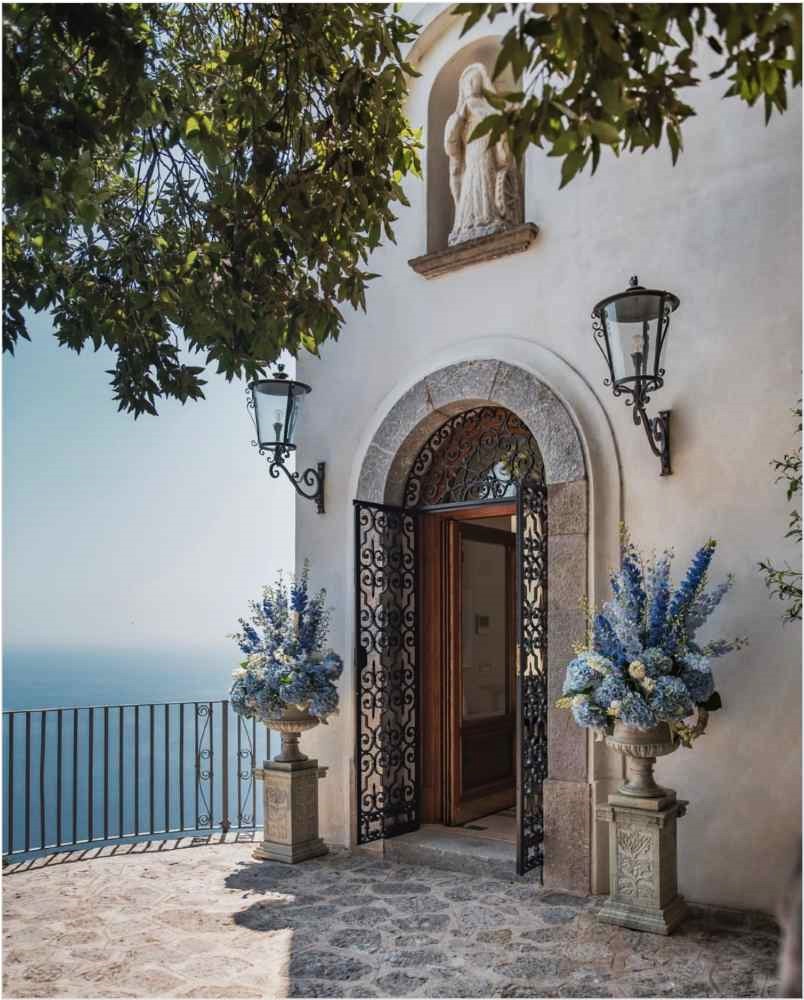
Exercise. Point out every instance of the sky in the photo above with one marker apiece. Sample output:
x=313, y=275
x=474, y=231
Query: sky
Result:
x=130, y=534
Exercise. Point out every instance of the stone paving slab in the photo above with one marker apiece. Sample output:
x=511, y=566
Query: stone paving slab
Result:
x=210, y=921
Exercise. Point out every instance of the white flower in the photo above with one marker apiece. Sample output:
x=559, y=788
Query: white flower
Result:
x=580, y=699
x=648, y=683
x=615, y=706
x=637, y=670
x=240, y=673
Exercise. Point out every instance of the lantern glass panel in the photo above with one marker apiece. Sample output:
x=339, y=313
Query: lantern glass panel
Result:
x=632, y=325
x=277, y=404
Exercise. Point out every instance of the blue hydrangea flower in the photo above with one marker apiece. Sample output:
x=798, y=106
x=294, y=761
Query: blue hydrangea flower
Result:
x=611, y=688
x=587, y=714
x=635, y=711
x=671, y=699
x=584, y=672
x=697, y=676
x=656, y=662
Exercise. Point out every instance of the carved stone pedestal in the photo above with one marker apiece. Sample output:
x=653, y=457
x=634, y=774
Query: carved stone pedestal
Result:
x=290, y=807
x=642, y=862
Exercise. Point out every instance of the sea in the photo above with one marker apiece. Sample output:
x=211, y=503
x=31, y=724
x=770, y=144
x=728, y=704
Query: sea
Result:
x=119, y=744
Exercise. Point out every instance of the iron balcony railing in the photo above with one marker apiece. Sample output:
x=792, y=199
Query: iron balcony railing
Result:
x=102, y=773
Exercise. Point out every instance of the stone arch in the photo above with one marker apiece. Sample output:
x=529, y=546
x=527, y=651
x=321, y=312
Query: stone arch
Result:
x=453, y=389
x=441, y=104
x=573, y=860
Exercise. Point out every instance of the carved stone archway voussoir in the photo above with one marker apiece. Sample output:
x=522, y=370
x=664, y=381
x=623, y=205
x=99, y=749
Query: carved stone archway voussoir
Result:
x=383, y=474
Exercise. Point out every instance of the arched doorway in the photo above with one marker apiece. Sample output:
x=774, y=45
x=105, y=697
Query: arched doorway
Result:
x=483, y=742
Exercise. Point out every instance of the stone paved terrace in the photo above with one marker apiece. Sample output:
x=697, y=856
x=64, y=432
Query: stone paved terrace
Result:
x=209, y=921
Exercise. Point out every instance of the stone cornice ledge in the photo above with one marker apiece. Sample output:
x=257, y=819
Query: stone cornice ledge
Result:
x=514, y=240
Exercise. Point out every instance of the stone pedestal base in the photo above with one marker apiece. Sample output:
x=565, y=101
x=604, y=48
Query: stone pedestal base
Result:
x=290, y=807
x=642, y=863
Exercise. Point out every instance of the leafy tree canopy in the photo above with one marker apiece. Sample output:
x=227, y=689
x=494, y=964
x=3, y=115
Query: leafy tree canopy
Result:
x=217, y=171
x=600, y=74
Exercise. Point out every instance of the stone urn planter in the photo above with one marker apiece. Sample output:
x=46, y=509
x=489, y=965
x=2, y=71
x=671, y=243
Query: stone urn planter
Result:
x=290, y=794
x=642, y=818
x=293, y=722
x=641, y=747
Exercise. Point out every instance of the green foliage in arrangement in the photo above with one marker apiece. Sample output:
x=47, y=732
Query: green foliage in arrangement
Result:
x=212, y=172
x=599, y=74
x=785, y=583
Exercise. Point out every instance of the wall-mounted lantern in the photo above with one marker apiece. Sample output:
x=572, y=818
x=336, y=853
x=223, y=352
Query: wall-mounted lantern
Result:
x=630, y=329
x=275, y=404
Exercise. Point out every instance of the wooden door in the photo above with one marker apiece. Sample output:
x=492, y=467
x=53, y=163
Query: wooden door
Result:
x=481, y=682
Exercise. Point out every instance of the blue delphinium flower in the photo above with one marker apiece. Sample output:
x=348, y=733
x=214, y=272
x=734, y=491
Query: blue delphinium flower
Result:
x=606, y=642
x=635, y=711
x=671, y=699
x=586, y=713
x=696, y=673
x=688, y=592
x=705, y=603
x=658, y=588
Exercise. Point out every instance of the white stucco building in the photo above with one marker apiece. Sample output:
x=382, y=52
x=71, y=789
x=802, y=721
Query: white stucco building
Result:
x=721, y=230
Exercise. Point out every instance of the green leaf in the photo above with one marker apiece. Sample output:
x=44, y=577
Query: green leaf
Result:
x=713, y=703
x=605, y=132
x=192, y=125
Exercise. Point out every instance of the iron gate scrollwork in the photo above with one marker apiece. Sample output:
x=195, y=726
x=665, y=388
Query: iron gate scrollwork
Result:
x=532, y=694
x=477, y=455
x=386, y=668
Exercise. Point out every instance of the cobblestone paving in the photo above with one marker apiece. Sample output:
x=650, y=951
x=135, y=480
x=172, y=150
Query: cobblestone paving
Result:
x=212, y=922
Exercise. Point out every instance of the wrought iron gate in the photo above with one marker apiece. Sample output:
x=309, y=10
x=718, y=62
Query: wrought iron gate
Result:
x=531, y=668
x=387, y=762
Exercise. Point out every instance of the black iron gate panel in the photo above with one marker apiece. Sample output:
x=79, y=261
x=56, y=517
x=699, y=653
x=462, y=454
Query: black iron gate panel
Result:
x=387, y=671
x=531, y=672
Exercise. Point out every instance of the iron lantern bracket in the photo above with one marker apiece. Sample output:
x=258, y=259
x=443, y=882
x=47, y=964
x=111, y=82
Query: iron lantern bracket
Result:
x=311, y=478
x=657, y=431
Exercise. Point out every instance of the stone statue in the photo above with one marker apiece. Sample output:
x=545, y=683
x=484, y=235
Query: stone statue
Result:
x=483, y=179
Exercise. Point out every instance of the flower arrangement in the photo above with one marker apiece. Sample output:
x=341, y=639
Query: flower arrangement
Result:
x=286, y=663
x=641, y=664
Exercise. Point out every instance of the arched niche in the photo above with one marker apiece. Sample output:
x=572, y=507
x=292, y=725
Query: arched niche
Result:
x=441, y=104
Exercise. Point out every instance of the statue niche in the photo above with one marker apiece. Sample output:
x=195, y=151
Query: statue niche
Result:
x=483, y=178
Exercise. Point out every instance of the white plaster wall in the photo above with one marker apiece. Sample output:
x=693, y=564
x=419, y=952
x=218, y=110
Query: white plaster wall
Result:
x=722, y=230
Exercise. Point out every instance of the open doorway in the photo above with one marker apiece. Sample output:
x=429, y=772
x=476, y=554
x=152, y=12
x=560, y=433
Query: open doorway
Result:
x=468, y=580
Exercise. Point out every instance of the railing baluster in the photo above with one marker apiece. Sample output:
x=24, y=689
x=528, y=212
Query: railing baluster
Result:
x=75, y=775
x=27, y=781
x=181, y=765
x=239, y=780
x=59, y=763
x=91, y=781
x=225, y=758
x=253, y=765
x=211, y=768
x=167, y=768
x=151, y=768
x=136, y=769
x=42, y=740
x=121, y=785
x=10, y=783
x=106, y=772
x=197, y=763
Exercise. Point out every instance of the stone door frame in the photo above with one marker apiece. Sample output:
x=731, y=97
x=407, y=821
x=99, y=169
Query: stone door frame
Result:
x=578, y=772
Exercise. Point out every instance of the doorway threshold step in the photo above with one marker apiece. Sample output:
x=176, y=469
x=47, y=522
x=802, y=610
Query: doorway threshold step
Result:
x=453, y=849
